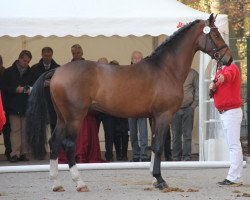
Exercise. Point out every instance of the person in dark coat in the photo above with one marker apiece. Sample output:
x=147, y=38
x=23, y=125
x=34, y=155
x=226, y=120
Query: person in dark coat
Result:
x=45, y=64
x=17, y=82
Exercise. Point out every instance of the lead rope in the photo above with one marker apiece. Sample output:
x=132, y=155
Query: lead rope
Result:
x=211, y=92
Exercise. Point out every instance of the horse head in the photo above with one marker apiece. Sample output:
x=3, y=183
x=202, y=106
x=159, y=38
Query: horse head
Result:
x=213, y=44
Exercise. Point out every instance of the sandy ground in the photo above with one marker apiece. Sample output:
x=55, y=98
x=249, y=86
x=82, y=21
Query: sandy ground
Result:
x=131, y=184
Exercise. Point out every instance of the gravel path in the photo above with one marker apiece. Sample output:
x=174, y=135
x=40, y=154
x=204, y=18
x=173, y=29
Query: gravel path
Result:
x=133, y=184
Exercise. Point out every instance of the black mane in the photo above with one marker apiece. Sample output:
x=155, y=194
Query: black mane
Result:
x=171, y=42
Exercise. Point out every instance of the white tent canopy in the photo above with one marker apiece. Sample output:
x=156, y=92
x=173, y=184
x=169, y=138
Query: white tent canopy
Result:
x=97, y=17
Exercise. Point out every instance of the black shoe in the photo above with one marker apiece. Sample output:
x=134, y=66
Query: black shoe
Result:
x=14, y=159
x=176, y=159
x=228, y=183
x=7, y=154
x=119, y=158
x=23, y=158
x=135, y=160
x=169, y=158
x=8, y=157
x=124, y=158
x=186, y=159
x=145, y=160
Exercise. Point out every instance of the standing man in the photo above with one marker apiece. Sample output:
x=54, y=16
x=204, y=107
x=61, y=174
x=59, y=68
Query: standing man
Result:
x=183, y=119
x=227, y=100
x=139, y=150
x=109, y=124
x=45, y=64
x=87, y=146
x=77, y=52
x=17, y=82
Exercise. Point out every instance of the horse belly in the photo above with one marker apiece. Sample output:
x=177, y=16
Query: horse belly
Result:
x=122, y=107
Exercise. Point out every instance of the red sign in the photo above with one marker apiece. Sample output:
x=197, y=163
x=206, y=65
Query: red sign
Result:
x=181, y=24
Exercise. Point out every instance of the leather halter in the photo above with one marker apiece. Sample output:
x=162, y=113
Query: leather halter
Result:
x=215, y=50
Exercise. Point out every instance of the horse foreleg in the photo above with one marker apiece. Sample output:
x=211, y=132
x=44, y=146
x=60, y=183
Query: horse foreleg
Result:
x=155, y=169
x=157, y=148
x=75, y=175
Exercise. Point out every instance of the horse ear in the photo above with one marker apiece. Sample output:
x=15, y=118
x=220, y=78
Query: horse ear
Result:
x=215, y=17
x=211, y=18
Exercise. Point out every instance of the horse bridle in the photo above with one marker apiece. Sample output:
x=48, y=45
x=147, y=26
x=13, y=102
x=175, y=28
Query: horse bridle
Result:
x=215, y=50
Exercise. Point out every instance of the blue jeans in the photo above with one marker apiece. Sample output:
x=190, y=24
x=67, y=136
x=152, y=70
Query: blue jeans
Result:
x=139, y=151
x=182, y=125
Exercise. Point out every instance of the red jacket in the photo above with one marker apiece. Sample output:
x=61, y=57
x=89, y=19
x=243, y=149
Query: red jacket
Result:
x=2, y=115
x=227, y=95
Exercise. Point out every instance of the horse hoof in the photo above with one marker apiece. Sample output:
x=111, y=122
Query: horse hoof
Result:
x=161, y=185
x=83, y=189
x=58, y=189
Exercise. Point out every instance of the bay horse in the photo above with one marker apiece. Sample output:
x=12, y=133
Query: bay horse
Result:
x=151, y=88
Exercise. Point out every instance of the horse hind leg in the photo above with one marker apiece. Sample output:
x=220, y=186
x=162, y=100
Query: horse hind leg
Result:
x=55, y=145
x=69, y=144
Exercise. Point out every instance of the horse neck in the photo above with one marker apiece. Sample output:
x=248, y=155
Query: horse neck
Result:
x=183, y=54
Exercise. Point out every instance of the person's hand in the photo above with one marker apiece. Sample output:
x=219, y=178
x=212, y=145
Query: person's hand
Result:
x=29, y=91
x=212, y=86
x=46, y=83
x=19, y=89
x=221, y=78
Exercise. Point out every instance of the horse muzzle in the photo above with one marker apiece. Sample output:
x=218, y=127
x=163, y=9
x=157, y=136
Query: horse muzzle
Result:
x=226, y=60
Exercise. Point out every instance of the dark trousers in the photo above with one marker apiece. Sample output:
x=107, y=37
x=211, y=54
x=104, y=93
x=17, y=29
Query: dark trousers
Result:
x=108, y=122
x=121, y=145
x=182, y=126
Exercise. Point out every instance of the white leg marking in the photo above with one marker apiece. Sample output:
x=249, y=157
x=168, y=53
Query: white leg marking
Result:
x=54, y=174
x=76, y=177
x=53, y=169
x=152, y=162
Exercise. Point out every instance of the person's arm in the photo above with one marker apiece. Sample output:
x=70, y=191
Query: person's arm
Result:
x=8, y=85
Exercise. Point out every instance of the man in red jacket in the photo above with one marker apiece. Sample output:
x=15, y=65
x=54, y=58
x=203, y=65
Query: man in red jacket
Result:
x=227, y=100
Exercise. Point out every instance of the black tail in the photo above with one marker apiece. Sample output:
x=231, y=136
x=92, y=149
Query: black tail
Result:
x=37, y=116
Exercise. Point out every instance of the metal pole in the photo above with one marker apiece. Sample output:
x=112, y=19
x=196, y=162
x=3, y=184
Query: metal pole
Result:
x=201, y=108
x=122, y=165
